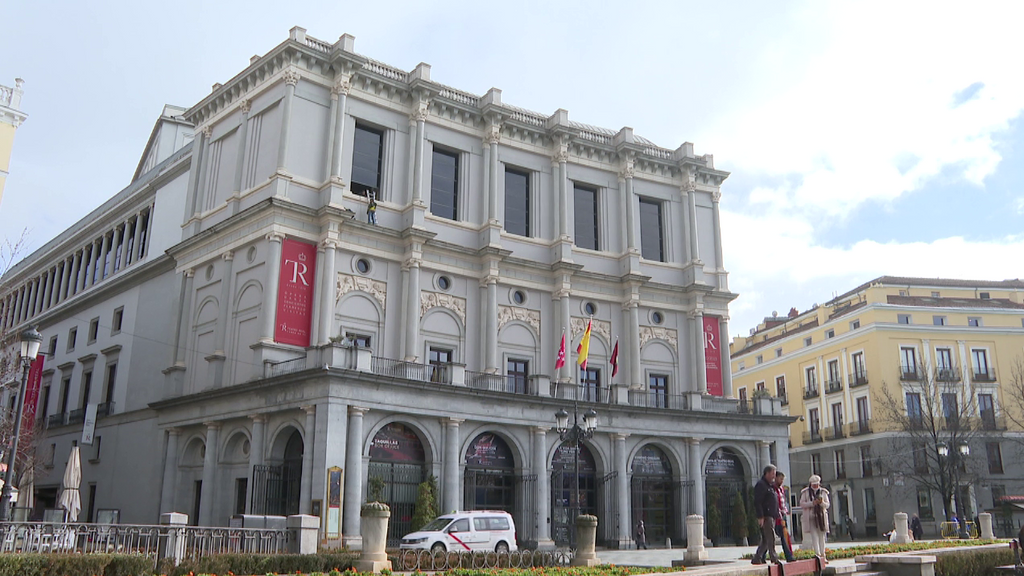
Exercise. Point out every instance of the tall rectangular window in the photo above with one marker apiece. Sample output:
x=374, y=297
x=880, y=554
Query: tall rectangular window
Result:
x=863, y=426
x=908, y=362
x=866, y=467
x=995, y=458
x=950, y=407
x=658, y=384
x=94, y=329
x=987, y=411
x=440, y=361
x=585, y=223
x=72, y=336
x=814, y=421
x=241, y=486
x=780, y=386
x=837, y=419
x=115, y=321
x=833, y=373
x=517, y=202
x=869, y=505
x=920, y=458
x=980, y=359
x=924, y=504
x=590, y=380
x=86, y=388
x=65, y=392
x=517, y=372
x=44, y=405
x=840, y=463
x=108, y=396
x=444, y=185
x=652, y=239
x=812, y=382
x=367, y=155
x=914, y=409
x=816, y=464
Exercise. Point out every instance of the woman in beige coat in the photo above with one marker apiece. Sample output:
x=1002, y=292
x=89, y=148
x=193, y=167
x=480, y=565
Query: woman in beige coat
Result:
x=815, y=503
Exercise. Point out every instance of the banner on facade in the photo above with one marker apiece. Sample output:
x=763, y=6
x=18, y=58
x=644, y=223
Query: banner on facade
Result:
x=89, y=428
x=713, y=355
x=335, y=494
x=489, y=451
x=397, y=442
x=724, y=462
x=35, y=380
x=295, y=293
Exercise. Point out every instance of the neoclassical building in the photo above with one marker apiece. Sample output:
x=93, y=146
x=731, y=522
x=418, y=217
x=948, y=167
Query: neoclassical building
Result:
x=252, y=343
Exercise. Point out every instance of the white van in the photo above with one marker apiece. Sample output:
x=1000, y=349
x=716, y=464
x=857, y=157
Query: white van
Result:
x=464, y=532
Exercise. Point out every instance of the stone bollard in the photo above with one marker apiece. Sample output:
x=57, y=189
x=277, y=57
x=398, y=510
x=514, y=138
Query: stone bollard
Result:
x=173, y=543
x=902, y=534
x=695, y=550
x=374, y=530
x=586, y=541
x=986, y=526
x=303, y=533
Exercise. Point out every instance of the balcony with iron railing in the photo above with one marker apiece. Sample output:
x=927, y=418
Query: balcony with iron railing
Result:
x=909, y=372
x=985, y=376
x=811, y=392
x=812, y=436
x=784, y=399
x=834, y=432
x=76, y=416
x=859, y=427
x=648, y=399
x=54, y=420
x=955, y=423
x=833, y=386
x=947, y=374
x=858, y=378
x=990, y=422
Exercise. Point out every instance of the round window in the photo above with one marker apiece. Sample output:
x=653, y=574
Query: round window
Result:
x=657, y=318
x=209, y=272
x=519, y=297
x=245, y=447
x=363, y=265
x=590, y=308
x=444, y=282
x=250, y=255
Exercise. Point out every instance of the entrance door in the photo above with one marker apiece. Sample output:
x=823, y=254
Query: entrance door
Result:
x=725, y=478
x=397, y=462
x=653, y=495
x=563, y=481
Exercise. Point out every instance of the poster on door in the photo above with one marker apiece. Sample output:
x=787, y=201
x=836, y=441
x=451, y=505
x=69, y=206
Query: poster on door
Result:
x=295, y=293
x=713, y=355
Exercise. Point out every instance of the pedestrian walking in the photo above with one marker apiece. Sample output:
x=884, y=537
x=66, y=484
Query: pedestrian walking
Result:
x=780, y=523
x=641, y=536
x=766, y=510
x=815, y=503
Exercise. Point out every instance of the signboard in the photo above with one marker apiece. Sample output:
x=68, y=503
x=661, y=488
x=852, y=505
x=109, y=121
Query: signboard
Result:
x=295, y=293
x=35, y=378
x=651, y=461
x=397, y=443
x=724, y=462
x=713, y=355
x=89, y=428
x=335, y=485
x=489, y=451
x=565, y=455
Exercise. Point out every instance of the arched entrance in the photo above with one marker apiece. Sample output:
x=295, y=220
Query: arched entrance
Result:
x=563, y=477
x=725, y=478
x=276, y=485
x=396, y=469
x=653, y=494
x=490, y=474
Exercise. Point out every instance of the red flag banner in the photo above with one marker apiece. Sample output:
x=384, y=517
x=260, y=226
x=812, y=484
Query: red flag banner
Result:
x=35, y=379
x=560, y=361
x=712, y=355
x=615, y=358
x=295, y=293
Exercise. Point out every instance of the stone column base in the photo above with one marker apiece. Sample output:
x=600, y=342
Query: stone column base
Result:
x=548, y=544
x=585, y=562
x=375, y=566
x=352, y=542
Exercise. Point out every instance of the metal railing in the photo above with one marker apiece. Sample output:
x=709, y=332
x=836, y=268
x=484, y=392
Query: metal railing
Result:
x=76, y=416
x=947, y=374
x=811, y=393
x=497, y=382
x=908, y=372
x=835, y=432
x=152, y=541
x=59, y=419
x=858, y=378
x=812, y=436
x=285, y=366
x=834, y=386
x=991, y=422
x=104, y=409
x=649, y=399
x=988, y=376
x=860, y=427
x=784, y=398
x=955, y=423
x=401, y=369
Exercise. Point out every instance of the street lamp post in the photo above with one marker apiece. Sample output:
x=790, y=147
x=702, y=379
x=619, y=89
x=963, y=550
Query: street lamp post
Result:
x=30, y=341
x=578, y=431
x=954, y=459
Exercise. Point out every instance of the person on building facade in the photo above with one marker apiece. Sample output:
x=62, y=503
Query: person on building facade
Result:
x=780, y=523
x=371, y=209
x=814, y=501
x=641, y=535
x=766, y=510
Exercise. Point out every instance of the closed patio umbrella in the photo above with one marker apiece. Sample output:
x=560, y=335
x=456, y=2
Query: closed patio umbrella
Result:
x=70, y=499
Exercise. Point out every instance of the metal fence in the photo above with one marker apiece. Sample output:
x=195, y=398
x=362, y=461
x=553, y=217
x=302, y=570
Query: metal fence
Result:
x=152, y=541
x=417, y=560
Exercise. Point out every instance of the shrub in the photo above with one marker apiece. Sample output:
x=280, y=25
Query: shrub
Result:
x=739, y=518
x=75, y=565
x=972, y=563
x=426, y=503
x=714, y=527
x=223, y=564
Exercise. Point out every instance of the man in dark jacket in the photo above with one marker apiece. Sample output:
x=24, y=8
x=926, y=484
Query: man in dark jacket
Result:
x=766, y=510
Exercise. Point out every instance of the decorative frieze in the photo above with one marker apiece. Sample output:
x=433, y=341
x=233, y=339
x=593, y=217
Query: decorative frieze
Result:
x=347, y=283
x=602, y=327
x=457, y=305
x=507, y=314
x=648, y=333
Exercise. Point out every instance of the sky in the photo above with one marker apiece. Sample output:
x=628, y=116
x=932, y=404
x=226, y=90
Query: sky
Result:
x=862, y=138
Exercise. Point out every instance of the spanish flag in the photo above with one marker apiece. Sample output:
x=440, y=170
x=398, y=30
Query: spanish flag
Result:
x=583, y=350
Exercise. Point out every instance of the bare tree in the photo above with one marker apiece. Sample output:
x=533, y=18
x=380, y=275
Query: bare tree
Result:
x=933, y=414
x=1014, y=408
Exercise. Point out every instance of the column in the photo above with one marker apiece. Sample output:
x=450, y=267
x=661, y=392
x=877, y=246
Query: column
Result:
x=103, y=256
x=492, y=139
x=419, y=115
x=86, y=267
x=412, y=311
x=76, y=272
x=716, y=222
x=626, y=186
x=327, y=291
x=51, y=277
x=184, y=312
x=97, y=251
x=194, y=179
x=255, y=453
x=562, y=190
x=763, y=454
x=353, y=478
x=452, y=439
x=226, y=282
x=636, y=374
x=624, y=530
x=723, y=337
x=115, y=250
x=492, y=325
x=137, y=246
x=125, y=242
x=691, y=199
x=699, y=362
x=543, y=500
x=340, y=91
x=269, y=311
x=149, y=232
x=243, y=131
x=209, y=474
x=30, y=290
x=291, y=78
x=170, y=471
x=308, y=441
x=696, y=474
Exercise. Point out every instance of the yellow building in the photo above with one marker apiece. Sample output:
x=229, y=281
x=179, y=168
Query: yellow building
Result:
x=10, y=118
x=885, y=380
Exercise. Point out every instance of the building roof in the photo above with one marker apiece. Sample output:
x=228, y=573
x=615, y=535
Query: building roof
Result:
x=930, y=302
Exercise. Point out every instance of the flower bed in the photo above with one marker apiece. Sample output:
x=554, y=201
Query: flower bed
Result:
x=882, y=548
